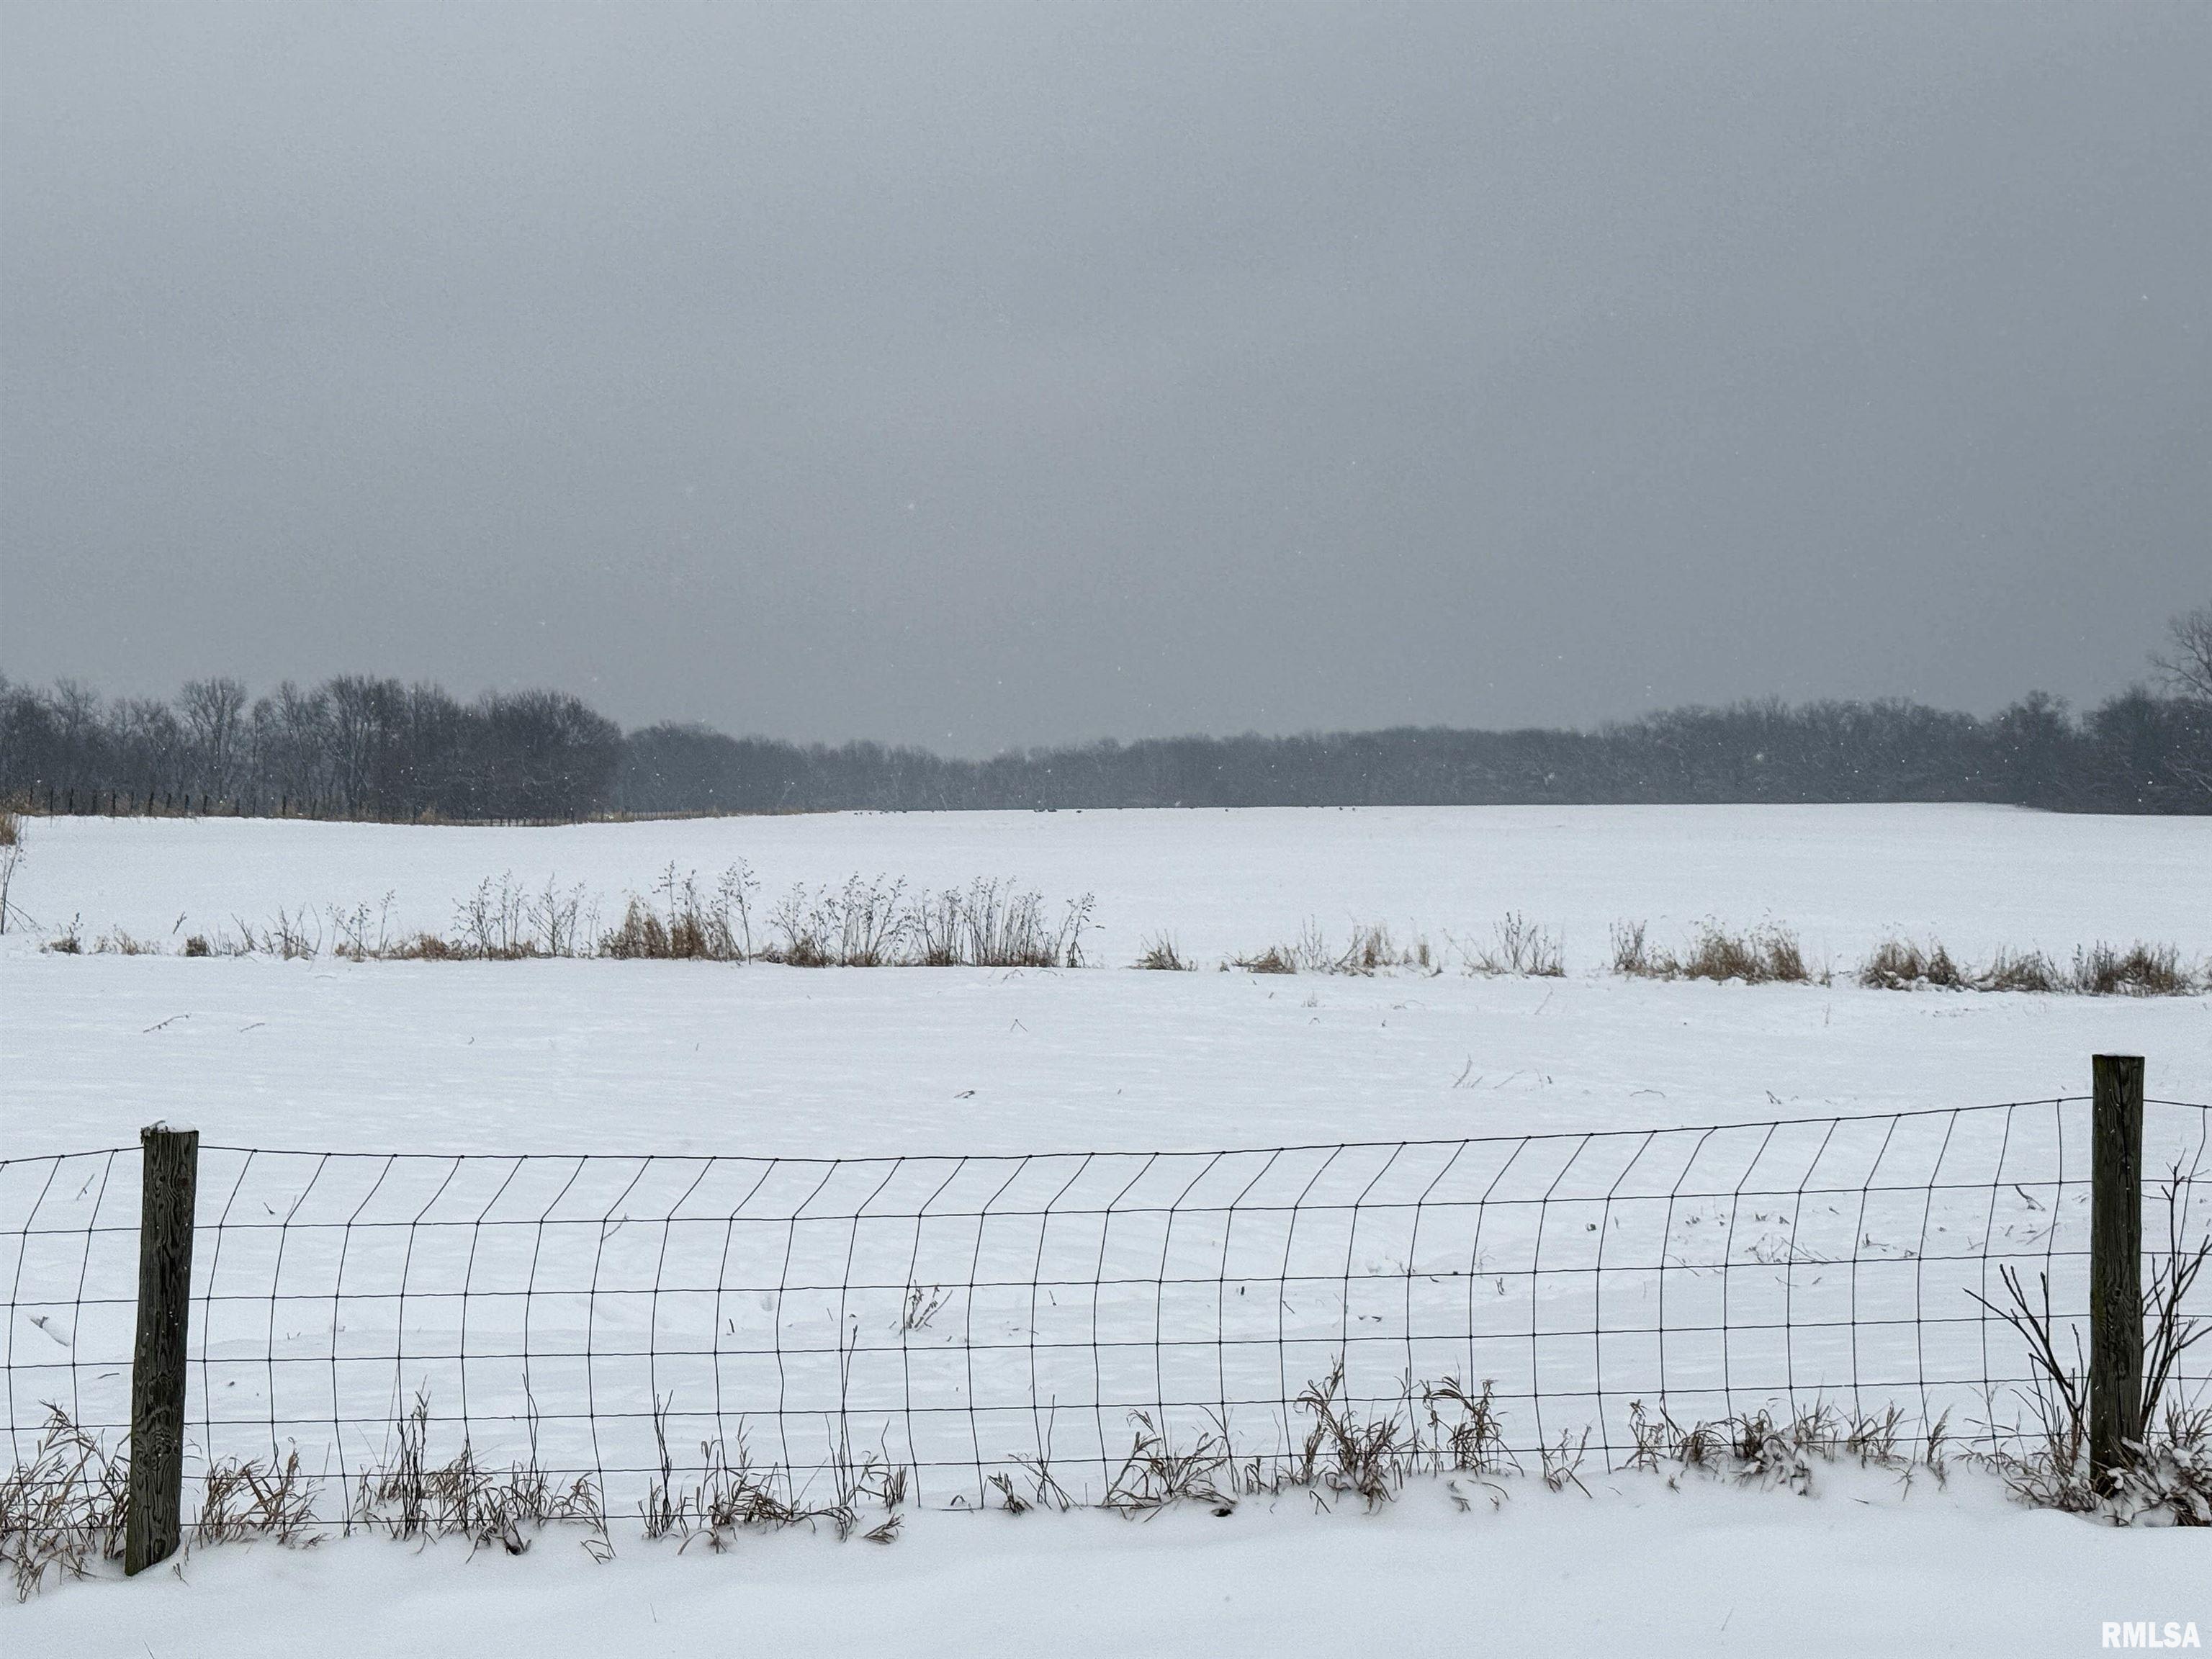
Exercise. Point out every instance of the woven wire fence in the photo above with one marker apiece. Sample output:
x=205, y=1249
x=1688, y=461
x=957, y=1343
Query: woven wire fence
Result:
x=960, y=1318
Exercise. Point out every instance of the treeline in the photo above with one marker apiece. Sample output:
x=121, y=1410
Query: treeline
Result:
x=351, y=747
x=376, y=748
x=2139, y=752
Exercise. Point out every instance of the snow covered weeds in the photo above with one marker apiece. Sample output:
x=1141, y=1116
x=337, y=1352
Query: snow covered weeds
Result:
x=1765, y=954
x=1371, y=950
x=1161, y=955
x=2169, y=1478
x=863, y=923
x=61, y=1516
x=1517, y=947
x=62, y=1512
x=2099, y=970
x=880, y=922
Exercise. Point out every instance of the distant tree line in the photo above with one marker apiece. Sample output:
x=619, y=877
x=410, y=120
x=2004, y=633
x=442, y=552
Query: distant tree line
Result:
x=2139, y=752
x=351, y=747
x=364, y=747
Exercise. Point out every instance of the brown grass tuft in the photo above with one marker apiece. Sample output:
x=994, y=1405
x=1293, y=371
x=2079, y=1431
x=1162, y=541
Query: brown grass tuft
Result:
x=62, y=1512
x=2143, y=970
x=412, y=1498
x=2029, y=971
x=1900, y=964
x=1372, y=950
x=1161, y=954
x=1766, y=955
x=1519, y=947
x=2099, y=970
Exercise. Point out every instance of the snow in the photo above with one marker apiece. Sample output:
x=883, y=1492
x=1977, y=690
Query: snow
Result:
x=675, y=1057
x=686, y=1057
x=758, y=1061
x=1860, y=1568
x=1978, y=878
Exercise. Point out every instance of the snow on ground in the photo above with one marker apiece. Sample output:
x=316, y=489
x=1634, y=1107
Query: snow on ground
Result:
x=1222, y=881
x=684, y=1057
x=697, y=1057
x=1634, y=1570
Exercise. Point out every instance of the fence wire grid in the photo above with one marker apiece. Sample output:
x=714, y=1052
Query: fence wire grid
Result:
x=960, y=1318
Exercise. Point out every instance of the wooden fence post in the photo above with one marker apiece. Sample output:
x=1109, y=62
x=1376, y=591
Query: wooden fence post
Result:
x=153, y=1521
x=2116, y=1325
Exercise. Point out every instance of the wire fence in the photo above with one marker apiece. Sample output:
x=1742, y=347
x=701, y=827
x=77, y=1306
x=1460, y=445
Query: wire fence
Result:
x=962, y=1318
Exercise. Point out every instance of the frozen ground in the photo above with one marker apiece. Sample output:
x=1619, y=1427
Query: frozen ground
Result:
x=683, y=1057
x=673, y=1057
x=1222, y=881
x=691, y=1057
x=1634, y=1570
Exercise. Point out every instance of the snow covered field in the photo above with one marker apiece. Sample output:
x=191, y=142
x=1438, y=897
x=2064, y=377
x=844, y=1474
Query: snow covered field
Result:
x=575, y=1056
x=1633, y=1571
x=1978, y=878
x=675, y=1057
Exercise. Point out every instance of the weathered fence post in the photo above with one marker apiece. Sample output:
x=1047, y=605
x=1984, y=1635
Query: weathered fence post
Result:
x=152, y=1521
x=2116, y=1326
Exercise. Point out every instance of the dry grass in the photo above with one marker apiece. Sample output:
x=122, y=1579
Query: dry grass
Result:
x=1768, y=955
x=2020, y=971
x=1445, y=1430
x=876, y=924
x=1161, y=956
x=2167, y=1478
x=1371, y=950
x=410, y=1496
x=1344, y=1455
x=994, y=925
x=1464, y=1433
x=1157, y=1472
x=2099, y=970
x=683, y=923
x=1765, y=955
x=729, y=1496
x=117, y=943
x=1758, y=1449
x=242, y=1499
x=1519, y=947
x=870, y=923
x=61, y=1514
x=860, y=923
x=2146, y=970
x=1901, y=964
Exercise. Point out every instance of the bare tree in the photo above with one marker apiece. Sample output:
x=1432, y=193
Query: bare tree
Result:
x=214, y=717
x=152, y=751
x=77, y=715
x=356, y=705
x=292, y=744
x=2186, y=666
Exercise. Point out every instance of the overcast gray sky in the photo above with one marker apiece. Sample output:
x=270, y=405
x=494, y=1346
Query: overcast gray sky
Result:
x=980, y=377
